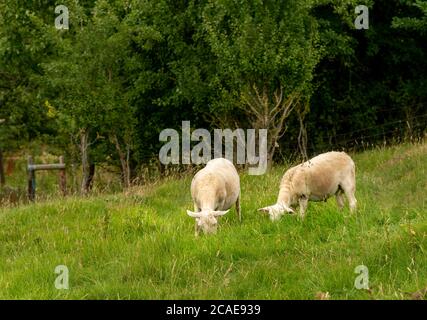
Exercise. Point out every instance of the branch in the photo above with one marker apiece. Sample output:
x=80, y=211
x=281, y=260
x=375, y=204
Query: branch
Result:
x=278, y=101
x=251, y=106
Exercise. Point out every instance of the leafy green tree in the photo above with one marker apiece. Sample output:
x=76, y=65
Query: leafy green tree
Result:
x=167, y=69
x=368, y=84
x=24, y=43
x=87, y=82
x=125, y=70
x=417, y=24
x=265, y=54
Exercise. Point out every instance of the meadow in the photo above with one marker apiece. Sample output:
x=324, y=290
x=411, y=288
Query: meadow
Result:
x=140, y=244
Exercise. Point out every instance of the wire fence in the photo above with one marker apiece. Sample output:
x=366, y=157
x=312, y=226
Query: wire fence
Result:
x=397, y=130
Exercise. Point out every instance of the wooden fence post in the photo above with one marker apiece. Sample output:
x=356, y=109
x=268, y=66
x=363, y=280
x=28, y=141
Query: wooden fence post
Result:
x=31, y=180
x=62, y=177
x=32, y=168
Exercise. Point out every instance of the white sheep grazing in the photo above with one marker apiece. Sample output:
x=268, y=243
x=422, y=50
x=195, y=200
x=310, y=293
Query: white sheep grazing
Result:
x=331, y=173
x=214, y=190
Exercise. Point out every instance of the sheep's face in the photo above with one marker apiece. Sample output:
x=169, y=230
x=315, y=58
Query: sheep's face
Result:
x=208, y=224
x=276, y=211
x=207, y=221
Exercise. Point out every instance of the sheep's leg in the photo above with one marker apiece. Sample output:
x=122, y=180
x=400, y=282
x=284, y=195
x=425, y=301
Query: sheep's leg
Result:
x=340, y=199
x=352, y=201
x=349, y=190
x=303, y=203
x=238, y=209
x=196, y=228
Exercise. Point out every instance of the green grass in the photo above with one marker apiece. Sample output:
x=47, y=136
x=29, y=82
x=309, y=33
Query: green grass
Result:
x=141, y=245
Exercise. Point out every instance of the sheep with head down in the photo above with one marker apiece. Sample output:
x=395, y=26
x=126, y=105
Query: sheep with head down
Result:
x=328, y=174
x=214, y=189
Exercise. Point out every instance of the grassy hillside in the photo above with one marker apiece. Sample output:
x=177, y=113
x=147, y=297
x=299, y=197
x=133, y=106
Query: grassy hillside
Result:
x=141, y=244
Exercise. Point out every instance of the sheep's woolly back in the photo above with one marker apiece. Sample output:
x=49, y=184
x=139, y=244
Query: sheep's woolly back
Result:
x=216, y=186
x=319, y=177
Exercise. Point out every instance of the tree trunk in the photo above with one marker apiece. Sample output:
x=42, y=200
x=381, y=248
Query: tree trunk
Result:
x=2, y=176
x=128, y=171
x=302, y=139
x=84, y=146
x=124, y=161
x=89, y=182
x=302, y=110
x=269, y=109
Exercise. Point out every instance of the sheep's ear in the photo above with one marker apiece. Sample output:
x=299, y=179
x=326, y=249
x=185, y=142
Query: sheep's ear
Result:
x=277, y=208
x=265, y=210
x=219, y=213
x=289, y=209
x=193, y=214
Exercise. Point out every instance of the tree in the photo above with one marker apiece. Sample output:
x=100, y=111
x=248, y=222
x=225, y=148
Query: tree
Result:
x=411, y=23
x=411, y=92
x=24, y=43
x=265, y=54
x=2, y=177
x=86, y=84
x=125, y=70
